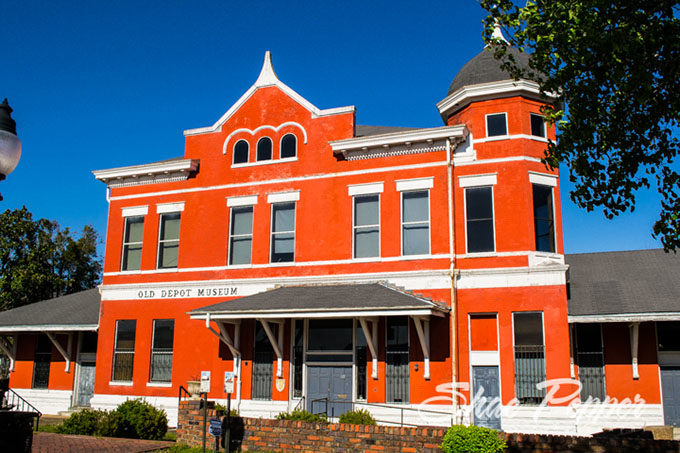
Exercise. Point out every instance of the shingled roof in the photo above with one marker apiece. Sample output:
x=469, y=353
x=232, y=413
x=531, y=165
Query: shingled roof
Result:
x=484, y=68
x=638, y=282
x=331, y=300
x=77, y=311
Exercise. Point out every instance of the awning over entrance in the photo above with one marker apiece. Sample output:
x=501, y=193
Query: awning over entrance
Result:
x=366, y=302
x=78, y=312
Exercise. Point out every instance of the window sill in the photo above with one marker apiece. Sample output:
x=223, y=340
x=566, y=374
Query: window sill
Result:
x=121, y=383
x=239, y=266
x=159, y=384
x=265, y=162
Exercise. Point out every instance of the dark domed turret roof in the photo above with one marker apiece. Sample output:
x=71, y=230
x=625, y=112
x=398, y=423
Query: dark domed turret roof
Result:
x=484, y=68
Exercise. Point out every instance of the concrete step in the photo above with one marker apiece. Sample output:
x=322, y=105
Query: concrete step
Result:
x=676, y=433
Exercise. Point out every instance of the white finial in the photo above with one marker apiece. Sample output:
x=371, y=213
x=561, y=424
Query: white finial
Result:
x=498, y=32
x=267, y=75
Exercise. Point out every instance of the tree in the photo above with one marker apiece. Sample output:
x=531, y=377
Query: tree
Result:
x=614, y=66
x=39, y=260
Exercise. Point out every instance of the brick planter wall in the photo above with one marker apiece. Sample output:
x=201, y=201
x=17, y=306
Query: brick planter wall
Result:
x=285, y=435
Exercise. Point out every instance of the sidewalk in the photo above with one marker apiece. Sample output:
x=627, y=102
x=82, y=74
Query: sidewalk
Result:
x=67, y=443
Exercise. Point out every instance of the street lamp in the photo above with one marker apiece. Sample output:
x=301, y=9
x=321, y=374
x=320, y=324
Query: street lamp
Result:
x=10, y=145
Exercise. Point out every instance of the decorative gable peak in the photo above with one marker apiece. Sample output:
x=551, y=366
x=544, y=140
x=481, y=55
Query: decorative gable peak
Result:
x=267, y=75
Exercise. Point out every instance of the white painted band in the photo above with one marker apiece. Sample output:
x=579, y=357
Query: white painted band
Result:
x=365, y=189
x=135, y=211
x=247, y=200
x=477, y=180
x=415, y=184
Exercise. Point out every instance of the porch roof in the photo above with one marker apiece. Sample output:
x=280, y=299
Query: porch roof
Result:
x=629, y=286
x=323, y=301
x=73, y=312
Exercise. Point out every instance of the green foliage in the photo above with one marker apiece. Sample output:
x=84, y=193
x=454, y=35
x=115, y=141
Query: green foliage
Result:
x=40, y=260
x=357, y=417
x=615, y=64
x=302, y=415
x=223, y=409
x=472, y=439
x=87, y=422
x=138, y=419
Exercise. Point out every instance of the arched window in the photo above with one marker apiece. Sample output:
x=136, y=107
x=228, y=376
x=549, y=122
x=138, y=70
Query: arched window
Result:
x=288, y=146
x=264, y=149
x=241, y=152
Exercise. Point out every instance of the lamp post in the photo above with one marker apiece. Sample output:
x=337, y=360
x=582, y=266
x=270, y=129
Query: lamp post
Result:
x=10, y=145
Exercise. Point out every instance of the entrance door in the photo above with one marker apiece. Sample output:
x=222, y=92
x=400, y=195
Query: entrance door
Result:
x=670, y=384
x=85, y=383
x=486, y=396
x=263, y=365
x=332, y=382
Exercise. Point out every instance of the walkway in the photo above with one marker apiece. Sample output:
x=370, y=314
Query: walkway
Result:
x=67, y=443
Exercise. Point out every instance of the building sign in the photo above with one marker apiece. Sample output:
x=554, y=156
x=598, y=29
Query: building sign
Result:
x=205, y=381
x=181, y=293
x=228, y=382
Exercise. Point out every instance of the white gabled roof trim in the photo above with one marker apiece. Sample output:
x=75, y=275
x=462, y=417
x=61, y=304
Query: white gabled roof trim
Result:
x=268, y=78
x=625, y=317
x=398, y=138
x=123, y=175
x=463, y=96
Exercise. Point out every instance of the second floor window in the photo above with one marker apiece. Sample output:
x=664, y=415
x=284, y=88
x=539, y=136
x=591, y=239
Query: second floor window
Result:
x=415, y=222
x=479, y=219
x=161, y=352
x=168, y=242
x=283, y=232
x=537, y=125
x=264, y=149
x=288, y=146
x=496, y=125
x=544, y=226
x=132, y=243
x=366, y=226
x=241, y=152
x=241, y=235
x=124, y=350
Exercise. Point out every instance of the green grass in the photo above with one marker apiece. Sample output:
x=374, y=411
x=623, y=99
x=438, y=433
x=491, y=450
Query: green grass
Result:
x=46, y=428
x=170, y=436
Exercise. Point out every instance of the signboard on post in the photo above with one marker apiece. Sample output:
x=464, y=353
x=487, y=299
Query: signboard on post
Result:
x=228, y=382
x=215, y=428
x=205, y=381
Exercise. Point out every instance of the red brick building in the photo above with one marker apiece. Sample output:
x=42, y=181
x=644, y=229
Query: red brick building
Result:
x=322, y=260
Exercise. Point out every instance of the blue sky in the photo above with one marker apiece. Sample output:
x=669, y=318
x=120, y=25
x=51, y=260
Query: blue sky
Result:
x=97, y=85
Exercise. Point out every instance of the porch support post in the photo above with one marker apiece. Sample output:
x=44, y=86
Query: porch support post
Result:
x=634, y=340
x=63, y=353
x=9, y=352
x=572, y=371
x=277, y=345
x=371, y=336
x=423, y=330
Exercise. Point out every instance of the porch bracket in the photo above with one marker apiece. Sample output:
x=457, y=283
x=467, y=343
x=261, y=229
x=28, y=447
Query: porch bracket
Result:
x=371, y=336
x=634, y=341
x=65, y=354
x=423, y=330
x=277, y=344
x=9, y=352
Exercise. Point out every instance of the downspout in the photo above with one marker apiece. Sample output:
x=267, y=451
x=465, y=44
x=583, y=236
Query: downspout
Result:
x=452, y=254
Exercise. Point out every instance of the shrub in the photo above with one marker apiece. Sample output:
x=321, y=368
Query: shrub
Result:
x=223, y=409
x=302, y=415
x=357, y=417
x=138, y=419
x=474, y=439
x=85, y=422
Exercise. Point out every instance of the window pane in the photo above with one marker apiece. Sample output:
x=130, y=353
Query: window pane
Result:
x=288, y=146
x=240, y=250
x=588, y=337
x=528, y=329
x=330, y=335
x=416, y=239
x=544, y=227
x=366, y=242
x=168, y=255
x=241, y=152
x=125, y=336
x=283, y=246
x=134, y=229
x=478, y=203
x=397, y=333
x=122, y=366
x=667, y=332
x=480, y=236
x=170, y=226
x=284, y=217
x=537, y=125
x=242, y=220
x=264, y=149
x=415, y=207
x=161, y=367
x=132, y=257
x=495, y=125
x=163, y=333
x=366, y=210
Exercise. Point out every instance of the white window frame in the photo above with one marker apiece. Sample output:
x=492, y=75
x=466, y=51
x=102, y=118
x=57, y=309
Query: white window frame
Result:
x=153, y=337
x=163, y=241
x=230, y=236
x=122, y=250
x=233, y=152
x=493, y=220
x=486, y=125
x=287, y=159
x=429, y=222
x=545, y=126
x=115, y=343
x=552, y=182
x=271, y=230
x=545, y=347
x=354, y=226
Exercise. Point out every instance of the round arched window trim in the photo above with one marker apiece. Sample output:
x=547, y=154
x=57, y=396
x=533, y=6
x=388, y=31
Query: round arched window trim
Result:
x=288, y=146
x=241, y=151
x=264, y=149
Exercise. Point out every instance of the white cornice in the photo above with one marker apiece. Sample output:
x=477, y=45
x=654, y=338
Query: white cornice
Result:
x=49, y=328
x=175, y=170
x=505, y=88
x=625, y=317
x=268, y=78
x=398, y=142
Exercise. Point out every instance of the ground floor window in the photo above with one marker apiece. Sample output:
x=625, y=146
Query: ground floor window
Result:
x=41, y=363
x=590, y=361
x=360, y=357
x=397, y=360
x=298, y=351
x=124, y=349
x=529, y=357
x=263, y=364
x=161, y=352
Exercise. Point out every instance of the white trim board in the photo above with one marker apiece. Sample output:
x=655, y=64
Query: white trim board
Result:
x=415, y=184
x=508, y=277
x=246, y=200
x=544, y=179
x=478, y=180
x=50, y=328
x=134, y=211
x=165, y=208
x=365, y=189
x=625, y=317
